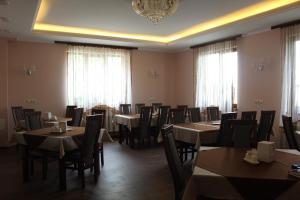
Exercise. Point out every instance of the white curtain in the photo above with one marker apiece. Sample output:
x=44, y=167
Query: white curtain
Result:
x=216, y=75
x=98, y=76
x=290, y=103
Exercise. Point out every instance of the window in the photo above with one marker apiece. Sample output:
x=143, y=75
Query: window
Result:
x=216, y=76
x=98, y=76
x=290, y=101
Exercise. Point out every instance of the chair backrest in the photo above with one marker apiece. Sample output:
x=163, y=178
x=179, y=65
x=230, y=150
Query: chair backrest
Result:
x=248, y=115
x=224, y=117
x=27, y=110
x=125, y=109
x=225, y=136
x=77, y=117
x=184, y=107
x=194, y=115
x=177, y=116
x=265, y=125
x=163, y=116
x=289, y=132
x=18, y=114
x=91, y=136
x=33, y=120
x=97, y=111
x=138, y=107
x=155, y=106
x=213, y=113
x=173, y=159
x=70, y=111
x=242, y=132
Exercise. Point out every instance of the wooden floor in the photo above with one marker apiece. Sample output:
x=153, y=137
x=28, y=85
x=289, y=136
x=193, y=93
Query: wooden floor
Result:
x=127, y=174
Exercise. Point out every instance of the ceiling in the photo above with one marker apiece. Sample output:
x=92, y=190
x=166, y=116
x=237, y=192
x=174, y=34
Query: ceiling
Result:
x=117, y=16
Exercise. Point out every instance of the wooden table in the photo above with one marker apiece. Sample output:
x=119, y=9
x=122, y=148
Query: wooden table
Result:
x=195, y=133
x=55, y=143
x=130, y=122
x=222, y=173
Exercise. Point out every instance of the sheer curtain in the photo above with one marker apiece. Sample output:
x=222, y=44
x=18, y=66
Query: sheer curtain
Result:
x=216, y=75
x=98, y=76
x=290, y=102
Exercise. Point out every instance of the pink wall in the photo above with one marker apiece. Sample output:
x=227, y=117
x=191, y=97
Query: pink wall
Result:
x=145, y=87
x=265, y=85
x=3, y=92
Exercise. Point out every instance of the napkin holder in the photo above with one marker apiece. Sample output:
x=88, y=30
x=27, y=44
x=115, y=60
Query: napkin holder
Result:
x=266, y=151
x=62, y=126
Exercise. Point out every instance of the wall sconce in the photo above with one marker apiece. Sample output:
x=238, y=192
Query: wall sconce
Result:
x=259, y=67
x=261, y=64
x=153, y=74
x=29, y=70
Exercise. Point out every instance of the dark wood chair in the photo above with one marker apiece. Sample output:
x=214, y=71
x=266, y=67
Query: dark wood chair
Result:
x=97, y=111
x=242, y=133
x=213, y=113
x=138, y=107
x=184, y=107
x=143, y=130
x=176, y=116
x=179, y=172
x=87, y=155
x=225, y=136
x=33, y=120
x=265, y=125
x=248, y=115
x=125, y=109
x=77, y=117
x=162, y=119
x=70, y=111
x=194, y=115
x=155, y=106
x=289, y=132
x=18, y=114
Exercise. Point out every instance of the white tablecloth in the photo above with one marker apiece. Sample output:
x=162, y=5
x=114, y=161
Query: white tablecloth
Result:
x=132, y=121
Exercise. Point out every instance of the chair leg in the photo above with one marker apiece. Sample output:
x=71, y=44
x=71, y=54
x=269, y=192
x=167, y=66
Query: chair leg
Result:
x=31, y=167
x=45, y=168
x=181, y=154
x=62, y=174
x=81, y=171
x=102, y=156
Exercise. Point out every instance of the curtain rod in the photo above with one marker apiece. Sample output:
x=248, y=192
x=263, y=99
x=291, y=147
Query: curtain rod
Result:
x=94, y=45
x=215, y=41
x=291, y=23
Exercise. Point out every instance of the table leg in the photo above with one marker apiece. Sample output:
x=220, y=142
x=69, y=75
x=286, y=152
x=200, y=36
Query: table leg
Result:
x=62, y=174
x=25, y=163
x=120, y=134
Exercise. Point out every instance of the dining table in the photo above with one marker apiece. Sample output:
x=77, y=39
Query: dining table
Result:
x=222, y=173
x=129, y=122
x=55, y=143
x=199, y=133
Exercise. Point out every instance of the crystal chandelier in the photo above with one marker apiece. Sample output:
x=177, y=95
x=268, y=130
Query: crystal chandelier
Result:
x=155, y=10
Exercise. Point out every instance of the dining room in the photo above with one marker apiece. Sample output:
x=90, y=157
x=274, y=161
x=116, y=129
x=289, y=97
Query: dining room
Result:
x=150, y=99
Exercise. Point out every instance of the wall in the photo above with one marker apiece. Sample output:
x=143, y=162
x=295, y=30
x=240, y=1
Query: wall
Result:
x=147, y=88
x=260, y=85
x=3, y=92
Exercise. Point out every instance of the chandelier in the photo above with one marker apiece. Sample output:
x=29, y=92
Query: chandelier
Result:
x=155, y=10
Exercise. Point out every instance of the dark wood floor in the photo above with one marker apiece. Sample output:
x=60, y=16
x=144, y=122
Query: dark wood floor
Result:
x=127, y=174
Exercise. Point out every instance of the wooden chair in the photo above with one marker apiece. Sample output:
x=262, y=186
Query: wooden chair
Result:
x=70, y=111
x=138, y=107
x=248, y=115
x=87, y=155
x=77, y=117
x=179, y=172
x=33, y=120
x=184, y=107
x=225, y=136
x=176, y=116
x=18, y=114
x=96, y=111
x=213, y=113
x=155, y=106
x=125, y=109
x=265, y=125
x=162, y=119
x=194, y=115
x=143, y=130
x=289, y=132
x=242, y=133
